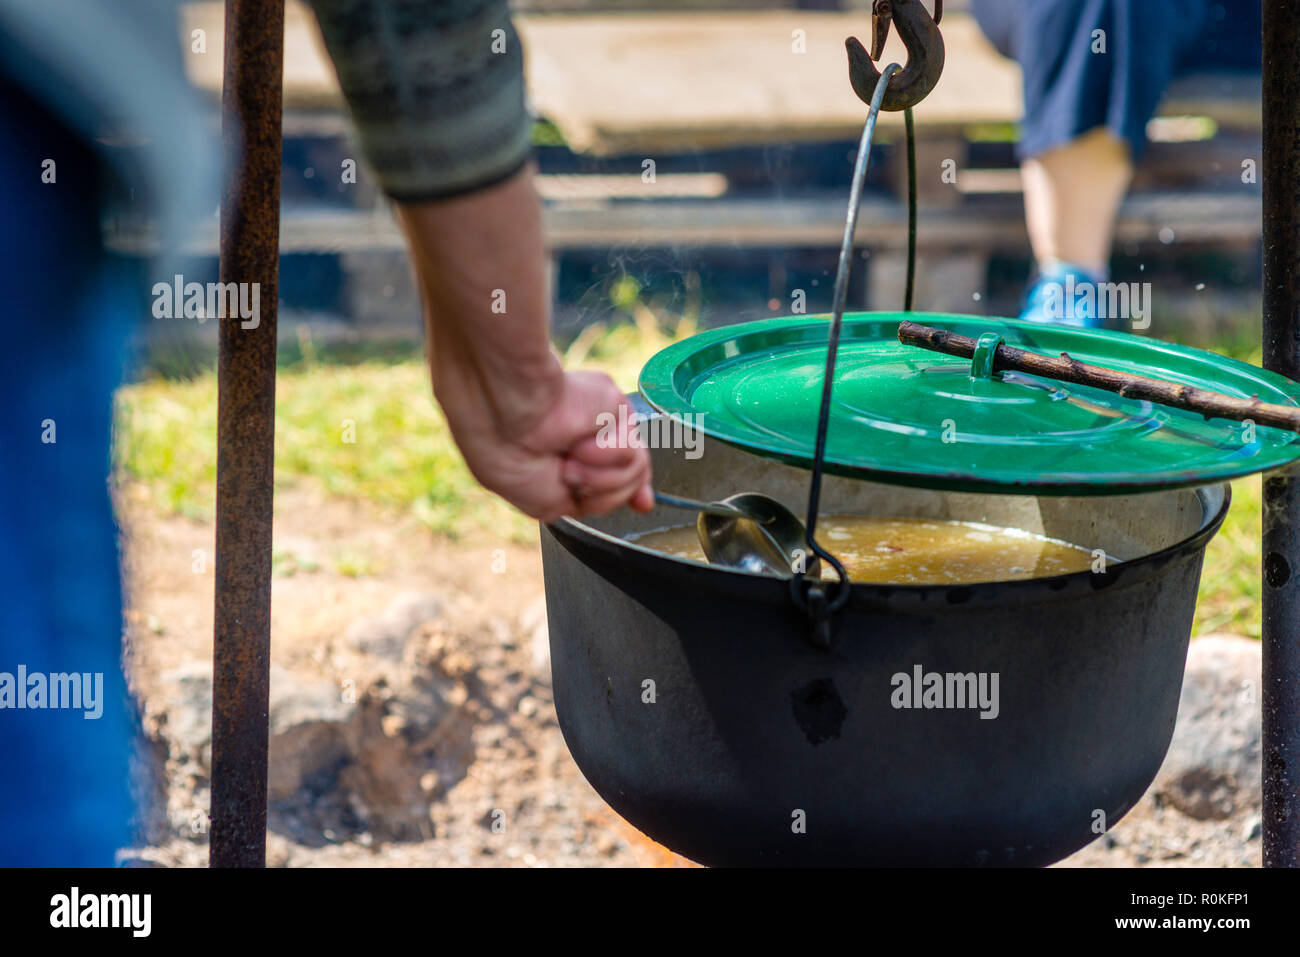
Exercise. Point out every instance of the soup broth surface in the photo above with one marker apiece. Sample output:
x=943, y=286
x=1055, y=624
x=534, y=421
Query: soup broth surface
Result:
x=915, y=551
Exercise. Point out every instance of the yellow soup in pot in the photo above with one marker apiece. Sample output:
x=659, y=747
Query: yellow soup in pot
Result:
x=916, y=551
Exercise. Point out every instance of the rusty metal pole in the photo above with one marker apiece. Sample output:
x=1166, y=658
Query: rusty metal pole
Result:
x=1280, y=176
x=251, y=99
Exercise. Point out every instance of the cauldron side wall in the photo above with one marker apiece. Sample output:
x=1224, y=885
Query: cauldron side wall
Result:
x=751, y=725
x=752, y=731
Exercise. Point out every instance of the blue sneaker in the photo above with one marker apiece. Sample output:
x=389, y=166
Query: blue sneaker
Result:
x=1065, y=295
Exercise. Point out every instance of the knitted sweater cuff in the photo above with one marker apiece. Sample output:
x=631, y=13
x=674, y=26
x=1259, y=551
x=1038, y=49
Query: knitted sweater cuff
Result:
x=436, y=91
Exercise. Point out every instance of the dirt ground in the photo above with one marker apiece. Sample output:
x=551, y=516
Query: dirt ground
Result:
x=456, y=758
x=487, y=635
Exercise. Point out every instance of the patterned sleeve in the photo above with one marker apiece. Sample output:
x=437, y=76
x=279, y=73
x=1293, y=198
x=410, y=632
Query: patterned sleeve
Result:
x=436, y=90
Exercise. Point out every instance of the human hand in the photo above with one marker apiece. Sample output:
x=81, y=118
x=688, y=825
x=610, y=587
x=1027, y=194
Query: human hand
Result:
x=528, y=430
x=574, y=456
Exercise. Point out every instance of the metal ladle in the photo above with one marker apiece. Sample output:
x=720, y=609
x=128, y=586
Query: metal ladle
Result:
x=750, y=531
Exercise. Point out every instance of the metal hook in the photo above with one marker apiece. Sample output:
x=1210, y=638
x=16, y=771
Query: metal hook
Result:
x=920, y=34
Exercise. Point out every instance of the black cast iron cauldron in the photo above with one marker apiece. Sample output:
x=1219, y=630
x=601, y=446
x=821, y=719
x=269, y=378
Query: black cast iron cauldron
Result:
x=754, y=747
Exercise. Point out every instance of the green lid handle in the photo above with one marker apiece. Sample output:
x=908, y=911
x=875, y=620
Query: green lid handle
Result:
x=981, y=363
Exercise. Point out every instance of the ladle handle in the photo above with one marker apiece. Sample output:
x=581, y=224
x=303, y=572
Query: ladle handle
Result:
x=691, y=505
x=1066, y=369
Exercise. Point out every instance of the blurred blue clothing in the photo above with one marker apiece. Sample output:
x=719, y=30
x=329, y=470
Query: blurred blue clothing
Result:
x=1073, y=83
x=1051, y=298
x=75, y=75
x=112, y=71
x=64, y=795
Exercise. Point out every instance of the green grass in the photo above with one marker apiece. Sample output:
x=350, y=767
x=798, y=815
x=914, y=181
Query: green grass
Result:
x=1230, y=587
x=403, y=457
x=368, y=431
x=1230, y=592
x=363, y=429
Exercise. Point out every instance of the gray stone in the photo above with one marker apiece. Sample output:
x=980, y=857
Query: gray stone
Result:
x=188, y=727
x=307, y=745
x=306, y=725
x=1253, y=829
x=533, y=627
x=345, y=758
x=385, y=635
x=1212, y=770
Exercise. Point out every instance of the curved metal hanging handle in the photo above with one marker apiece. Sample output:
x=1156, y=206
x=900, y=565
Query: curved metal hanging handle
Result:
x=815, y=598
x=920, y=34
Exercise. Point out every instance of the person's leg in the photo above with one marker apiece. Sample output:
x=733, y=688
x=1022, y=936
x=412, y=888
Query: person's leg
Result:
x=1094, y=72
x=1072, y=195
x=64, y=794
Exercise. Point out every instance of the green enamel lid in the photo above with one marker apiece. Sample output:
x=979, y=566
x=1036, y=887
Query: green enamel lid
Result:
x=909, y=416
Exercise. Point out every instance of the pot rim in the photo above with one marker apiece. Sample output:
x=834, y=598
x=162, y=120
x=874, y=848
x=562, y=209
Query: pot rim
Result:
x=1086, y=580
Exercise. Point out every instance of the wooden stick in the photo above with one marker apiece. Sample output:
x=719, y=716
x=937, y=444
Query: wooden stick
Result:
x=1204, y=401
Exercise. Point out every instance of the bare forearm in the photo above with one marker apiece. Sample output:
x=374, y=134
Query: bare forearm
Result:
x=481, y=264
x=527, y=430
x=437, y=93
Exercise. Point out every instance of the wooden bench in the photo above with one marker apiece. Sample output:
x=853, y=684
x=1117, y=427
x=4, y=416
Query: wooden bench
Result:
x=626, y=88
